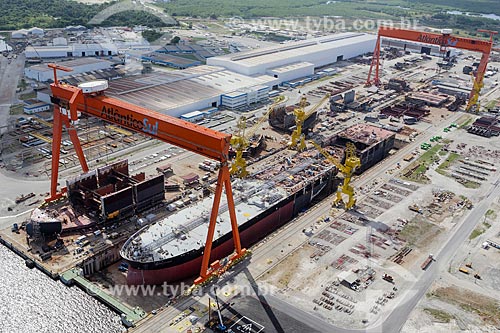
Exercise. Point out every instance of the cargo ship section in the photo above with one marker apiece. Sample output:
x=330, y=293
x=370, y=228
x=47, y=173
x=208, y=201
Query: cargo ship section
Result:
x=171, y=250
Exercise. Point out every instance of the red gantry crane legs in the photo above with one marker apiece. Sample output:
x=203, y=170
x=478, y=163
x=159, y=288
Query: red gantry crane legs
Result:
x=68, y=100
x=444, y=40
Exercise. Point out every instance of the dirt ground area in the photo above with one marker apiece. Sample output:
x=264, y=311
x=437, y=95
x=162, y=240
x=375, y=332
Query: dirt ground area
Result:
x=418, y=232
x=487, y=308
x=465, y=298
x=452, y=309
x=311, y=277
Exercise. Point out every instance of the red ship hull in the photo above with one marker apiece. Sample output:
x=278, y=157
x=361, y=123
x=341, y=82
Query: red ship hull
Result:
x=191, y=267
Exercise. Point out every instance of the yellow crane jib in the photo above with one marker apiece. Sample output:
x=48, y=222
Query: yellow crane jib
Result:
x=241, y=140
x=298, y=138
x=477, y=85
x=352, y=162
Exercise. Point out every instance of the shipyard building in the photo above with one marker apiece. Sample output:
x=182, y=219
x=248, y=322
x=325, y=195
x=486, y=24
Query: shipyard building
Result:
x=201, y=88
x=233, y=81
x=73, y=50
x=43, y=73
x=238, y=80
x=294, y=60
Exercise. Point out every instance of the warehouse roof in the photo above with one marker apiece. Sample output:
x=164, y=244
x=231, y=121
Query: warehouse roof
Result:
x=71, y=64
x=348, y=276
x=172, y=89
x=301, y=48
x=31, y=48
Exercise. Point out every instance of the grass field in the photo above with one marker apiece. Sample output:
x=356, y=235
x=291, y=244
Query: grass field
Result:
x=28, y=95
x=16, y=109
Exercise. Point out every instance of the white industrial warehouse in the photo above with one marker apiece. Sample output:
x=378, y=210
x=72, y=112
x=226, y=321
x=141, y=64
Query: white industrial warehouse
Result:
x=73, y=50
x=297, y=59
x=200, y=88
x=43, y=73
x=236, y=81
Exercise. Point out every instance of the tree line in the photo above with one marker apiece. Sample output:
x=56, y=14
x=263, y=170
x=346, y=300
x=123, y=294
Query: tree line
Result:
x=21, y=14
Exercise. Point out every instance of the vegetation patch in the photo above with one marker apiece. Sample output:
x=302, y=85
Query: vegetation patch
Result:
x=476, y=233
x=491, y=104
x=452, y=157
x=416, y=171
x=27, y=95
x=61, y=13
x=16, y=109
x=471, y=184
x=480, y=229
x=197, y=39
x=491, y=214
x=464, y=121
x=430, y=156
x=487, y=308
x=22, y=84
x=418, y=232
x=151, y=35
x=439, y=315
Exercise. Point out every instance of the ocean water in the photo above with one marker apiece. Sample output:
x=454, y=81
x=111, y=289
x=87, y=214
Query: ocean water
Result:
x=32, y=302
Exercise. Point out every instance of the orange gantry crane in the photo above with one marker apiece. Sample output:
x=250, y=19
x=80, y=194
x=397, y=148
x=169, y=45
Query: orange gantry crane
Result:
x=444, y=40
x=90, y=99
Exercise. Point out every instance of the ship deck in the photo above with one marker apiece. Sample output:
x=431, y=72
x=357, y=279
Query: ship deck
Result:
x=186, y=229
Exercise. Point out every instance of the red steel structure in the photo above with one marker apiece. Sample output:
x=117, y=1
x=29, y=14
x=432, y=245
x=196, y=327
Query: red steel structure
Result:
x=444, y=40
x=69, y=100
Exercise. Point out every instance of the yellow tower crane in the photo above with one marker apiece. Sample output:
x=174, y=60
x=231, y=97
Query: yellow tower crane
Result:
x=240, y=141
x=298, y=138
x=347, y=169
x=477, y=85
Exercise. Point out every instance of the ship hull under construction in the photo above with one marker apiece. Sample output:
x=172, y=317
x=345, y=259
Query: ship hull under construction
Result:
x=188, y=264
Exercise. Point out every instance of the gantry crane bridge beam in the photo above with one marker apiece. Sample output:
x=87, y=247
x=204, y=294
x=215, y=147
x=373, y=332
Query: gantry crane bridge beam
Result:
x=444, y=40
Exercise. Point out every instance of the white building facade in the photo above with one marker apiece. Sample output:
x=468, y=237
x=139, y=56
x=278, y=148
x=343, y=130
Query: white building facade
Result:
x=73, y=50
x=43, y=73
x=319, y=52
